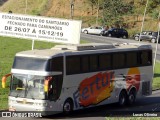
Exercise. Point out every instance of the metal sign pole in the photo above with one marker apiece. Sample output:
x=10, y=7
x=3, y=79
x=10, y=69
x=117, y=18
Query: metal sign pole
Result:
x=143, y=20
x=158, y=37
x=26, y=7
x=71, y=8
x=32, y=44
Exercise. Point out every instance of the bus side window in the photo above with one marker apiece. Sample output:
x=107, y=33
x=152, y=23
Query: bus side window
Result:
x=104, y=61
x=132, y=59
x=146, y=58
x=56, y=64
x=85, y=64
x=93, y=61
x=118, y=60
x=73, y=65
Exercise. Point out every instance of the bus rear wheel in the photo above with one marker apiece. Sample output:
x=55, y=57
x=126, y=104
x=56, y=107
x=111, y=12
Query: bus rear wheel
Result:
x=122, y=98
x=68, y=106
x=131, y=97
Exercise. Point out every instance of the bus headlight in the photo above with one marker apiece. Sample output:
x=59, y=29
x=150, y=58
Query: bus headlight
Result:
x=12, y=101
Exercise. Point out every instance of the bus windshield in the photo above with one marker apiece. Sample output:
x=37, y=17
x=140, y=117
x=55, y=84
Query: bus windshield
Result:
x=27, y=86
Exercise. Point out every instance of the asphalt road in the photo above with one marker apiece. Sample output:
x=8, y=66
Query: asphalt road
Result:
x=147, y=106
x=103, y=39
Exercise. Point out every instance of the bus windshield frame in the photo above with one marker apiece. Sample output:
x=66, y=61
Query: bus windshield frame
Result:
x=27, y=86
x=30, y=63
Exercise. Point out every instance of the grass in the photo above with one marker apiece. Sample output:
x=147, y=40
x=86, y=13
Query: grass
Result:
x=10, y=46
x=156, y=80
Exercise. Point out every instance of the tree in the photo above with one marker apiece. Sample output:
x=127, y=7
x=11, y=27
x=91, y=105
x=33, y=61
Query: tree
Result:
x=114, y=10
x=153, y=4
x=91, y=2
x=153, y=8
x=98, y=4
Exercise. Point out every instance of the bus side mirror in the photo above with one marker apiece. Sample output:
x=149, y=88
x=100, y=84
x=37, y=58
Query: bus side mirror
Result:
x=46, y=83
x=4, y=78
x=46, y=86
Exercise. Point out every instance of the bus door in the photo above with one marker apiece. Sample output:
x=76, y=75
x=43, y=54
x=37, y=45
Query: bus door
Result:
x=55, y=87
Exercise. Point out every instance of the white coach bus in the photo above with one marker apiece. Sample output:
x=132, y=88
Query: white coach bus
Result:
x=71, y=77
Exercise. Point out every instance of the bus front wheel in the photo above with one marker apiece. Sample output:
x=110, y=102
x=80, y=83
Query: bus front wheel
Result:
x=122, y=98
x=68, y=106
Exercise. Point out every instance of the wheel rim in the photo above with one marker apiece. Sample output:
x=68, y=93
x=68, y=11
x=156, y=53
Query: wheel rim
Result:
x=109, y=35
x=131, y=98
x=67, y=107
x=122, y=99
x=85, y=32
x=153, y=40
x=124, y=37
x=136, y=38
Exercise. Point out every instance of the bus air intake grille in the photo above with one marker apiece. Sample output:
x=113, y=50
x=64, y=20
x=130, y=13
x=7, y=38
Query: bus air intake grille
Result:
x=24, y=102
x=146, y=88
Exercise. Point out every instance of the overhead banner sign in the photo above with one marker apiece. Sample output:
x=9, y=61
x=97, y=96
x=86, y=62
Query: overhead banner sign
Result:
x=40, y=28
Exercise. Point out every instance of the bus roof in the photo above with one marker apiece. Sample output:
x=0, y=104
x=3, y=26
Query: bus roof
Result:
x=60, y=49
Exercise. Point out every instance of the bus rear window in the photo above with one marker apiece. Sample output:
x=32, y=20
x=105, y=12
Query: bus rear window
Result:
x=28, y=63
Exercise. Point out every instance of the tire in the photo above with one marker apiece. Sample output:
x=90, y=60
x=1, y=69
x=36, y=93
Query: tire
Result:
x=101, y=34
x=109, y=35
x=136, y=38
x=85, y=31
x=68, y=106
x=124, y=37
x=153, y=40
x=131, y=97
x=122, y=98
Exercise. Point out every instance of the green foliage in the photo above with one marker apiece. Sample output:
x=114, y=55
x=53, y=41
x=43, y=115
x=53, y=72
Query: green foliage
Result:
x=92, y=2
x=35, y=12
x=114, y=10
x=96, y=2
x=34, y=7
x=154, y=8
x=153, y=4
x=155, y=14
x=156, y=81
